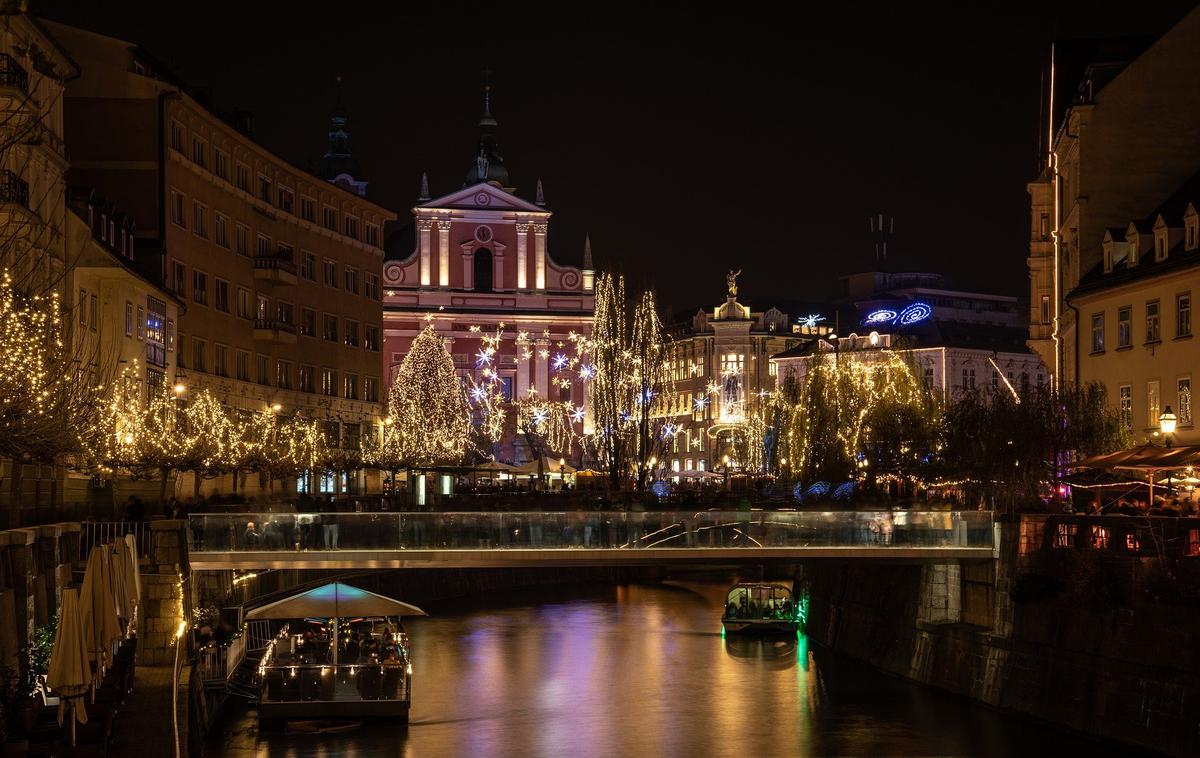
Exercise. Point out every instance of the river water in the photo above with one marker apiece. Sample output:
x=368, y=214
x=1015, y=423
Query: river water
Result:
x=644, y=671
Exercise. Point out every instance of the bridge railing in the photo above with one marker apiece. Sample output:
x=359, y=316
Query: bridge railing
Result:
x=227, y=532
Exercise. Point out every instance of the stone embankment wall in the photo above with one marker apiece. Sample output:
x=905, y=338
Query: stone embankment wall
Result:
x=35, y=564
x=1058, y=628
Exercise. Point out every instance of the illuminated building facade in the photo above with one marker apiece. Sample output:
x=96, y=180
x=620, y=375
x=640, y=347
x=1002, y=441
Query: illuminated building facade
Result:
x=280, y=270
x=1123, y=133
x=720, y=368
x=479, y=264
x=1136, y=310
x=957, y=341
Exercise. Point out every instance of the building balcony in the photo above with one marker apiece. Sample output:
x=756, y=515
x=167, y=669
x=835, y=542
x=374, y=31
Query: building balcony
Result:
x=275, y=267
x=270, y=330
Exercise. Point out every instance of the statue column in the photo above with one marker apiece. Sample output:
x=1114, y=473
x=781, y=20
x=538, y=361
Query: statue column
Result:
x=443, y=252
x=539, y=241
x=522, y=269
x=468, y=258
x=424, y=233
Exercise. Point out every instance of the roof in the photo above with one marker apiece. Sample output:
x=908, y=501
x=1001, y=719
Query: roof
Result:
x=929, y=333
x=1172, y=211
x=334, y=599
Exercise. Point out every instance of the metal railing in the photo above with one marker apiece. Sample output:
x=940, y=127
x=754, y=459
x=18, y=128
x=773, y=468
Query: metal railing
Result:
x=13, y=74
x=329, y=683
x=601, y=530
x=95, y=533
x=277, y=260
x=13, y=189
x=274, y=325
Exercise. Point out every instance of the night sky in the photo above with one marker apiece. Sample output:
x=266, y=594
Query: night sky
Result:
x=685, y=141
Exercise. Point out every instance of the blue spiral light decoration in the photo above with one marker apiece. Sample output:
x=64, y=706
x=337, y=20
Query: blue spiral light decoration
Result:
x=914, y=313
x=660, y=488
x=798, y=492
x=819, y=489
x=844, y=490
x=881, y=316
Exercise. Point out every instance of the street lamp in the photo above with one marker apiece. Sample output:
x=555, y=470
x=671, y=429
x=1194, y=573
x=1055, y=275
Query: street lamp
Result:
x=180, y=388
x=1166, y=424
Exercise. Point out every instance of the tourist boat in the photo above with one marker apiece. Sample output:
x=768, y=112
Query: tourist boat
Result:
x=340, y=653
x=762, y=608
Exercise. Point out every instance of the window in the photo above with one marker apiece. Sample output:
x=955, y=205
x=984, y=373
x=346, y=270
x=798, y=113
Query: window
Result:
x=141, y=322
x=264, y=188
x=371, y=389
x=1183, y=400
x=283, y=313
x=372, y=235
x=286, y=252
x=83, y=295
x=221, y=164
x=308, y=209
x=221, y=295
x=330, y=273
x=1153, y=404
x=352, y=227
x=283, y=375
x=220, y=360
x=179, y=278
x=287, y=200
x=350, y=436
x=308, y=322
x=1125, y=398
x=732, y=362
x=243, y=365
x=1183, y=315
x=1045, y=309
x=330, y=328
x=199, y=348
x=351, y=333
x=328, y=381
x=1097, y=332
x=177, y=209
x=243, y=240
x=1044, y=227
x=350, y=276
x=1124, y=326
x=929, y=376
x=968, y=378
x=308, y=266
x=263, y=375
x=350, y=390
x=306, y=379
x=128, y=319
x=182, y=351
x=262, y=307
x=199, y=225
x=177, y=136
x=170, y=335
x=1152, y=332
x=329, y=217
x=371, y=338
x=200, y=287
x=262, y=246
x=371, y=286
x=199, y=152
x=221, y=230
x=92, y=311
x=243, y=303
x=243, y=177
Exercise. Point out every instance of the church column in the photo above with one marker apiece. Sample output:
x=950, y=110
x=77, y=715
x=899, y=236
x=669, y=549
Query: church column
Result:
x=522, y=374
x=468, y=259
x=424, y=233
x=443, y=252
x=542, y=367
x=539, y=241
x=498, y=263
x=522, y=269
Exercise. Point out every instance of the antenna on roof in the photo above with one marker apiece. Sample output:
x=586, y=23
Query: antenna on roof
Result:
x=424, y=187
x=882, y=227
x=539, y=197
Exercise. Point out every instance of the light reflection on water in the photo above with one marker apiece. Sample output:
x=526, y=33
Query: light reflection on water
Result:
x=646, y=671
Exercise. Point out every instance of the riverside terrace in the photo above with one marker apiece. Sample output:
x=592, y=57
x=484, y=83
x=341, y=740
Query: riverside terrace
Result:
x=454, y=540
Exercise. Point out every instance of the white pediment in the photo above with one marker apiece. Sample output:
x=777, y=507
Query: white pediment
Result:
x=483, y=196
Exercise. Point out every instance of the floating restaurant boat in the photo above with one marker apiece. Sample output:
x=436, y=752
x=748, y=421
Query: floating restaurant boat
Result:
x=763, y=608
x=340, y=653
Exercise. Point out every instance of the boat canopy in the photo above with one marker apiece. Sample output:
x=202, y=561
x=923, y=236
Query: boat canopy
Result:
x=334, y=600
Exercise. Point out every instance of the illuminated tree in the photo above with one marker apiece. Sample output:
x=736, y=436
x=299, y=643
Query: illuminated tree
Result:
x=428, y=406
x=630, y=392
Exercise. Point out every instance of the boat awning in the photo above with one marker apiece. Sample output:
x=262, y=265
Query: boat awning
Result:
x=334, y=599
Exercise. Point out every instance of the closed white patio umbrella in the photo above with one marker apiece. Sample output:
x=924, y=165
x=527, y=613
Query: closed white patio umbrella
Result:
x=98, y=608
x=70, y=673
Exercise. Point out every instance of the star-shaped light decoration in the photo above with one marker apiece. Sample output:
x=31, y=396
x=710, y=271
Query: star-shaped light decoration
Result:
x=668, y=431
x=587, y=372
x=577, y=415
x=560, y=360
x=713, y=388
x=483, y=357
x=701, y=402
x=539, y=416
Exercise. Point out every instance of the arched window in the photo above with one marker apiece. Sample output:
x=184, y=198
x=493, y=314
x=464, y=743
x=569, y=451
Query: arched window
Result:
x=483, y=270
